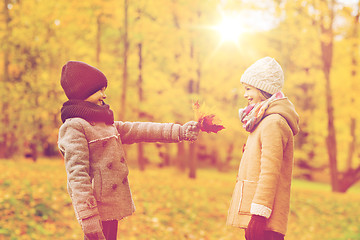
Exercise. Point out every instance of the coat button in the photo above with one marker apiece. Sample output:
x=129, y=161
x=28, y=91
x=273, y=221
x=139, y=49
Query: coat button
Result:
x=114, y=186
x=125, y=180
x=122, y=159
x=91, y=202
x=92, y=123
x=109, y=165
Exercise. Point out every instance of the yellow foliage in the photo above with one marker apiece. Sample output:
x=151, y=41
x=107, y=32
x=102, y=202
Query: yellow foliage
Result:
x=181, y=60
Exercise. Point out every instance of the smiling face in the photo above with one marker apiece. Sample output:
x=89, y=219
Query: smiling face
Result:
x=253, y=95
x=98, y=97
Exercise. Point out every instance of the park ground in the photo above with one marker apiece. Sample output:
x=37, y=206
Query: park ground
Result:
x=34, y=204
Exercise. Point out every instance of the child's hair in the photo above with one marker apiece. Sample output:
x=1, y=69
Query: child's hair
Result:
x=265, y=94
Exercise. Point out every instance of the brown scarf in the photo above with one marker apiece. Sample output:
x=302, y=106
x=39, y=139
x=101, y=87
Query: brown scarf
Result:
x=86, y=110
x=253, y=114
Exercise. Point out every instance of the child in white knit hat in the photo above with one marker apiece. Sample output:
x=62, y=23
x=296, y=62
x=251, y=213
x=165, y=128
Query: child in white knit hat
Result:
x=260, y=202
x=92, y=145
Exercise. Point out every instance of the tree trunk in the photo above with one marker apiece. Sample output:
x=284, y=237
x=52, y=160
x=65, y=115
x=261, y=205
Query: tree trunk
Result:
x=354, y=73
x=348, y=178
x=331, y=138
x=192, y=160
x=180, y=158
x=98, y=40
x=351, y=176
x=214, y=157
x=141, y=158
x=6, y=40
x=5, y=104
x=327, y=37
x=194, y=87
x=125, y=58
x=340, y=182
x=168, y=154
x=352, y=144
x=34, y=152
x=229, y=155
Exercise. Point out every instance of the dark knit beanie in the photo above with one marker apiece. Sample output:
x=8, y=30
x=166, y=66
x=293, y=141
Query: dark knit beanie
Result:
x=80, y=80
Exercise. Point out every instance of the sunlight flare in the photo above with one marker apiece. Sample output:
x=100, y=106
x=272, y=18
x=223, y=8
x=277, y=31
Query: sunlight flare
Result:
x=230, y=29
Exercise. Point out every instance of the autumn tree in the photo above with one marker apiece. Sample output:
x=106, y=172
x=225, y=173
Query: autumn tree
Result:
x=159, y=56
x=299, y=55
x=5, y=135
x=322, y=15
x=340, y=181
x=351, y=172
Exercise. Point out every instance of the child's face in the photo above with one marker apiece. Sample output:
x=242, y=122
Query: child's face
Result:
x=98, y=97
x=253, y=95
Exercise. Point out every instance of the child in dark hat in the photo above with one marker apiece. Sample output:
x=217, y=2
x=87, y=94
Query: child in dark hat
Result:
x=92, y=145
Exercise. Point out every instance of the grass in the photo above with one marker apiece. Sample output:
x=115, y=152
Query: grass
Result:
x=34, y=204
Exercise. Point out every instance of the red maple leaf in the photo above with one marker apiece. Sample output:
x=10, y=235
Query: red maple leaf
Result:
x=207, y=122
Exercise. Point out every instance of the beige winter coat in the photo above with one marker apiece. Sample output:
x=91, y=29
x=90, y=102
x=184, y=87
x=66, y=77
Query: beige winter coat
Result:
x=97, y=173
x=265, y=172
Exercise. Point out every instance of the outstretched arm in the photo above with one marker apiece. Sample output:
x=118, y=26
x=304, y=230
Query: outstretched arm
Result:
x=132, y=132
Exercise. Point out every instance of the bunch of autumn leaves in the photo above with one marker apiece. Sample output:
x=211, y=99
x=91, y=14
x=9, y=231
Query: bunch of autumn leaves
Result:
x=207, y=122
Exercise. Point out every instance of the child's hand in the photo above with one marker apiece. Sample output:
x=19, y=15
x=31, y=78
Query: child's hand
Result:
x=92, y=228
x=256, y=227
x=189, y=131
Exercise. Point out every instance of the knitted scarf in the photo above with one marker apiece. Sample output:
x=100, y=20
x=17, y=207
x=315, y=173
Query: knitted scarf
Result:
x=251, y=115
x=89, y=111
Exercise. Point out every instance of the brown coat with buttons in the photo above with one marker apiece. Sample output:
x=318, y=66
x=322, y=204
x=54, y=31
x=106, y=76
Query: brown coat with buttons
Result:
x=264, y=178
x=96, y=167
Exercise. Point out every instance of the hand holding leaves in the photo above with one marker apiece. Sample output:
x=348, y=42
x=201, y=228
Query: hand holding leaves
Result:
x=189, y=131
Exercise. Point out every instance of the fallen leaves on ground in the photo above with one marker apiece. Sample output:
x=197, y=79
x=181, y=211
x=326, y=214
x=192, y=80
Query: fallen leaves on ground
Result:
x=34, y=204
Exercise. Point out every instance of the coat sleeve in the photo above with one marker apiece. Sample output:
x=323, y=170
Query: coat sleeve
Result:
x=273, y=141
x=133, y=132
x=74, y=147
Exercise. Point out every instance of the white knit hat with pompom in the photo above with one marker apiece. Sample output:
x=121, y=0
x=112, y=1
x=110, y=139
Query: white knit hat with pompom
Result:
x=265, y=74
